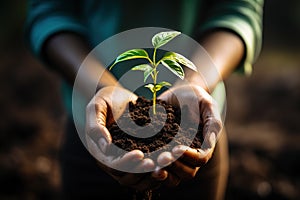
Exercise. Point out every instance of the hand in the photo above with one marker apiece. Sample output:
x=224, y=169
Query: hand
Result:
x=107, y=106
x=186, y=167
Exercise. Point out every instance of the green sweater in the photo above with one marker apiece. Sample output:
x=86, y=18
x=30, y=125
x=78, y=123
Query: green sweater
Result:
x=98, y=20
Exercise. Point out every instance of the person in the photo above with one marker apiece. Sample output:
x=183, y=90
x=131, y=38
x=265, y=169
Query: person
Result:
x=62, y=33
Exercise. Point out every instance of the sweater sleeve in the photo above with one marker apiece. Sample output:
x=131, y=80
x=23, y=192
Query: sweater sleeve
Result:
x=244, y=18
x=47, y=17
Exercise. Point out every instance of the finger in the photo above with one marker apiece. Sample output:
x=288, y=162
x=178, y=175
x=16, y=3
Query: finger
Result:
x=116, y=100
x=96, y=112
x=165, y=159
x=122, y=170
x=151, y=180
x=192, y=157
x=129, y=161
x=93, y=148
x=142, y=181
x=130, y=179
x=170, y=97
x=95, y=121
x=146, y=165
x=155, y=180
x=159, y=174
x=99, y=132
x=172, y=181
x=100, y=135
x=182, y=171
x=211, y=117
x=209, y=141
x=116, y=174
x=141, y=167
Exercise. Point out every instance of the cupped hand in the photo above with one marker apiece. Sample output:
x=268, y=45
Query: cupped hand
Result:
x=105, y=108
x=202, y=108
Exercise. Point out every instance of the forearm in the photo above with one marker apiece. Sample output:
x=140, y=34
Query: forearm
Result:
x=65, y=52
x=226, y=51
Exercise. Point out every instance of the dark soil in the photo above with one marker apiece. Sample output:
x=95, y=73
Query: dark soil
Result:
x=146, y=137
x=167, y=116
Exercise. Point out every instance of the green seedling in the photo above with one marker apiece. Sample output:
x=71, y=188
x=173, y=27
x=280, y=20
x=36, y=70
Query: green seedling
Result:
x=170, y=60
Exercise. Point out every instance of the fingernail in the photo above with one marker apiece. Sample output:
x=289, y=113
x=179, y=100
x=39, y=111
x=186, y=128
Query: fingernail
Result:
x=212, y=139
x=148, y=165
x=179, y=150
x=137, y=159
x=137, y=155
x=102, y=144
x=209, y=141
x=165, y=159
x=159, y=174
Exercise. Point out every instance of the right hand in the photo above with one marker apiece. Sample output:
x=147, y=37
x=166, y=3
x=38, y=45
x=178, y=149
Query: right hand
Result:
x=107, y=106
x=201, y=108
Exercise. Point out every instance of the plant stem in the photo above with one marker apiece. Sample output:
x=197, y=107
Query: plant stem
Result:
x=154, y=90
x=154, y=81
x=154, y=102
x=154, y=57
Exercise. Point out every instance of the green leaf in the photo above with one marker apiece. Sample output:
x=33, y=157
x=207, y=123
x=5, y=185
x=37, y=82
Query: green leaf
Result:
x=131, y=54
x=142, y=67
x=163, y=38
x=159, y=85
x=147, y=69
x=164, y=83
x=180, y=59
x=174, y=67
x=150, y=86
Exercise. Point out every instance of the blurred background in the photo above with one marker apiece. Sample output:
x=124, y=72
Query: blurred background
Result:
x=263, y=114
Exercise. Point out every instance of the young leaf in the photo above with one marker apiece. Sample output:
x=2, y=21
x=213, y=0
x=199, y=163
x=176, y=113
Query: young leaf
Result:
x=131, y=54
x=180, y=59
x=159, y=85
x=150, y=86
x=163, y=38
x=164, y=83
x=147, y=69
x=174, y=67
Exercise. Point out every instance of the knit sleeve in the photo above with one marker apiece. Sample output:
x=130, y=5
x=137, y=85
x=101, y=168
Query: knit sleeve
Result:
x=47, y=17
x=244, y=18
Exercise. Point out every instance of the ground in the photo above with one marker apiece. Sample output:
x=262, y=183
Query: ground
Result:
x=263, y=128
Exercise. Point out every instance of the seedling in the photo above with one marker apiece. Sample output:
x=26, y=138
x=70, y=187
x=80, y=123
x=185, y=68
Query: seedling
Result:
x=170, y=60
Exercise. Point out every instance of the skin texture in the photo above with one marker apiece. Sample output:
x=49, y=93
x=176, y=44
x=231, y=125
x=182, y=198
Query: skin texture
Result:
x=65, y=51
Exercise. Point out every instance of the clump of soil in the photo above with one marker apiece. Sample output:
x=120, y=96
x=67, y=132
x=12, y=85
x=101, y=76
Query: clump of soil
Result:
x=167, y=116
x=151, y=132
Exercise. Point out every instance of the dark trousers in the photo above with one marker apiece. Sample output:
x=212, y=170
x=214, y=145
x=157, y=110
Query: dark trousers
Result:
x=83, y=179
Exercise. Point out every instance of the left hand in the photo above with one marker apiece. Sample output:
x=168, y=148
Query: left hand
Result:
x=105, y=108
x=199, y=102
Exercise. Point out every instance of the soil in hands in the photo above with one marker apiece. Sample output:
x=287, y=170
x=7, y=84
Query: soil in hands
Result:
x=167, y=118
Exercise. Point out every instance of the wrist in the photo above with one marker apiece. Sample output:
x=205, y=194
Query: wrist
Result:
x=199, y=79
x=113, y=85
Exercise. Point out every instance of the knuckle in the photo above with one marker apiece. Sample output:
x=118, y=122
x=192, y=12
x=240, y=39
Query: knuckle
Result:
x=213, y=125
x=189, y=176
x=205, y=159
